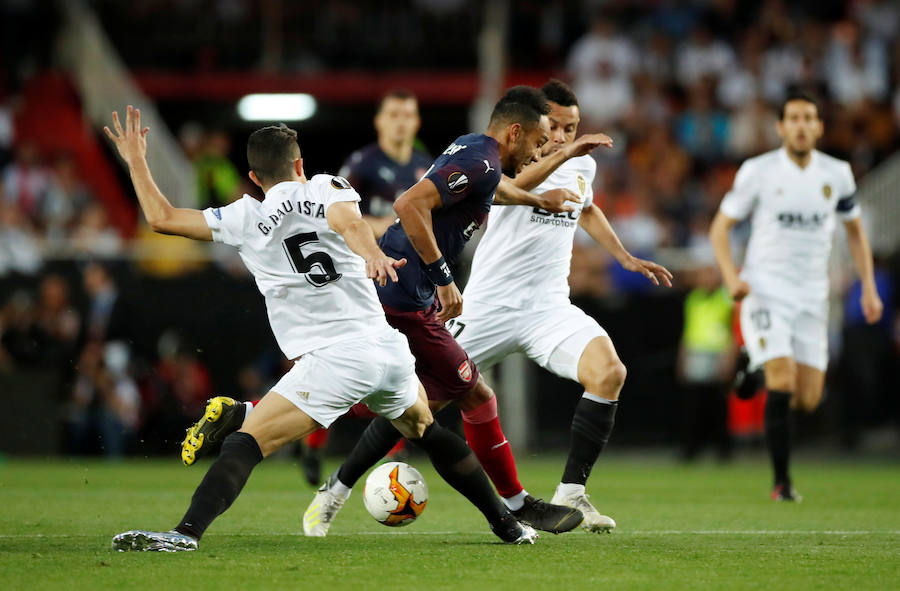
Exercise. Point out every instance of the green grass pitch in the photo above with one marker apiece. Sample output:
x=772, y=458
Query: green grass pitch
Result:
x=680, y=527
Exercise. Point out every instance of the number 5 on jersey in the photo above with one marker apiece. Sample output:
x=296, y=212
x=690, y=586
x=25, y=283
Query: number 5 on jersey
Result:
x=317, y=266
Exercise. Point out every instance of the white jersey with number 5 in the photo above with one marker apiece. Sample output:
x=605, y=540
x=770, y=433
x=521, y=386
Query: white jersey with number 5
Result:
x=523, y=258
x=793, y=214
x=315, y=287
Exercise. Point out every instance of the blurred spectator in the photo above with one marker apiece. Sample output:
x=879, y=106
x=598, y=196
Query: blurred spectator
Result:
x=102, y=414
x=21, y=341
x=107, y=317
x=217, y=178
x=601, y=64
x=701, y=128
x=867, y=368
x=879, y=17
x=67, y=199
x=751, y=130
x=177, y=392
x=856, y=66
x=706, y=363
x=703, y=56
x=58, y=321
x=7, y=131
x=26, y=182
x=19, y=248
x=95, y=235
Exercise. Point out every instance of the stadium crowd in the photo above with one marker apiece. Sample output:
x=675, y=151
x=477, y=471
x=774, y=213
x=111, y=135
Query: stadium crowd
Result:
x=687, y=90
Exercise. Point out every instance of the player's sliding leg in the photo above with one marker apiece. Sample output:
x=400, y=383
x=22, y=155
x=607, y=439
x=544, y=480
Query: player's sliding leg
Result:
x=398, y=452
x=602, y=374
x=457, y=465
x=451, y=458
x=377, y=439
x=221, y=417
x=485, y=436
x=273, y=423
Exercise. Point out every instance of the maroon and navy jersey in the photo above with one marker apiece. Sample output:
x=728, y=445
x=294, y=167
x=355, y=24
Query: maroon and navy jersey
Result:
x=466, y=176
x=379, y=179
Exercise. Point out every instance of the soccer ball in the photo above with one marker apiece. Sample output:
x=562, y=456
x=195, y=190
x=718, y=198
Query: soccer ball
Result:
x=395, y=494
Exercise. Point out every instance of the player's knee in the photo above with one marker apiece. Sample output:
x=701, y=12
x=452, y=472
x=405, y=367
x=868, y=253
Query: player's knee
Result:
x=606, y=379
x=476, y=397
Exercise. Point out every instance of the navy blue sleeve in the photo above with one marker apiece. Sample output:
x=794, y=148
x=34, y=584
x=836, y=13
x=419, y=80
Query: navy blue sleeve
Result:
x=461, y=177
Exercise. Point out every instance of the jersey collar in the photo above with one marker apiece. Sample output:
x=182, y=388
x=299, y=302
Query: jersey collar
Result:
x=813, y=159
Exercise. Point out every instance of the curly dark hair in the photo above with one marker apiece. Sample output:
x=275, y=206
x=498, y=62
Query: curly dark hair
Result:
x=520, y=104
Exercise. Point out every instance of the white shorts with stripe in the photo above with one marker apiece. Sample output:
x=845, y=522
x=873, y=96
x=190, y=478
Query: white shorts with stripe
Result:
x=376, y=369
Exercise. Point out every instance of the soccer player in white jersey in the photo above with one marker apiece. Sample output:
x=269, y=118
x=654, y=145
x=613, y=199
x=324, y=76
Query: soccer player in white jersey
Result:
x=313, y=258
x=517, y=300
x=793, y=197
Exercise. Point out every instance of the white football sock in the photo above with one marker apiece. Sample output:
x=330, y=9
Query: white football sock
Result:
x=515, y=502
x=570, y=489
x=340, y=490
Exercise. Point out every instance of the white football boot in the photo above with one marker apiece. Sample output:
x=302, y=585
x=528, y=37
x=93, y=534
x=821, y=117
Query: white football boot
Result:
x=323, y=509
x=594, y=521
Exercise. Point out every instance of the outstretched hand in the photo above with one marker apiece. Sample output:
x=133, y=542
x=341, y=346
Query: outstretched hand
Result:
x=383, y=268
x=652, y=271
x=559, y=200
x=131, y=142
x=588, y=143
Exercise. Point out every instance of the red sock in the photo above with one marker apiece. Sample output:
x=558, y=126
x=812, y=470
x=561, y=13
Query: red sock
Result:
x=254, y=402
x=485, y=437
x=317, y=439
x=398, y=447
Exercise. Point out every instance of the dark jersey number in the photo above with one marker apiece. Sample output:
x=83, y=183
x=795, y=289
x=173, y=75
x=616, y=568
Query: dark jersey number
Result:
x=317, y=266
x=761, y=319
x=455, y=327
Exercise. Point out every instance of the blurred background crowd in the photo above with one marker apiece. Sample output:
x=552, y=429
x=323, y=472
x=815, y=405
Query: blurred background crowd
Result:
x=130, y=333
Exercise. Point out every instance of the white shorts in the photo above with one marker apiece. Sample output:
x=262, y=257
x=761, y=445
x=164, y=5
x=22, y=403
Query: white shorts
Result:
x=554, y=338
x=377, y=369
x=774, y=328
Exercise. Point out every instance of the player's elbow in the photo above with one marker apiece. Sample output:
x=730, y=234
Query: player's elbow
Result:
x=403, y=207
x=161, y=221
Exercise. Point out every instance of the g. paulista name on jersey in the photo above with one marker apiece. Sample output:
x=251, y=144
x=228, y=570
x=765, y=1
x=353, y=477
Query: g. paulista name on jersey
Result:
x=315, y=210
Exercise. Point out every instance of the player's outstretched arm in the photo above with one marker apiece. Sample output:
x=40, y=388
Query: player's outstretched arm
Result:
x=344, y=219
x=861, y=251
x=595, y=223
x=719, y=237
x=554, y=201
x=131, y=142
x=537, y=172
x=414, y=210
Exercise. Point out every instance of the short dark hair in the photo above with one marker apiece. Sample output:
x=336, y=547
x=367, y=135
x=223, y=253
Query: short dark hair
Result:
x=798, y=95
x=271, y=152
x=520, y=104
x=396, y=93
x=560, y=93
